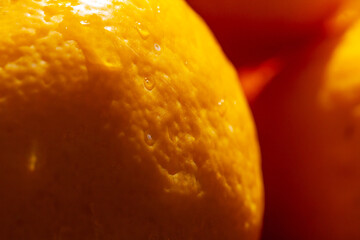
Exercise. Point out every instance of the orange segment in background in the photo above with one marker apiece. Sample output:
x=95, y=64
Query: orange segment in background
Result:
x=122, y=120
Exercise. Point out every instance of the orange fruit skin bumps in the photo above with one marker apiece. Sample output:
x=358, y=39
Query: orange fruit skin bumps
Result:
x=122, y=120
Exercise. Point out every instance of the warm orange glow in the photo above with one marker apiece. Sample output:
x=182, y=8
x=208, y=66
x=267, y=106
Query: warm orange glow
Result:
x=308, y=121
x=122, y=120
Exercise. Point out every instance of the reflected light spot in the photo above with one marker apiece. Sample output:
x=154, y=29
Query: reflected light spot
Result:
x=89, y=7
x=108, y=28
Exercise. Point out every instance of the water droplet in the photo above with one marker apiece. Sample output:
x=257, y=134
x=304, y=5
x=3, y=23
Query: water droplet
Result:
x=157, y=47
x=231, y=128
x=149, y=83
x=108, y=28
x=158, y=9
x=149, y=139
x=143, y=31
x=85, y=22
x=222, y=108
x=221, y=102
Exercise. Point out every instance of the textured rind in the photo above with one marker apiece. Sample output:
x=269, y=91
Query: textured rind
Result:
x=122, y=120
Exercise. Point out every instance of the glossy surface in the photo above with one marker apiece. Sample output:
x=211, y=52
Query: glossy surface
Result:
x=122, y=120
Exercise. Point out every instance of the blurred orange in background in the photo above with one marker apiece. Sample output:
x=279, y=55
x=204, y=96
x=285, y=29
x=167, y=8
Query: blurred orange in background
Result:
x=309, y=131
x=251, y=31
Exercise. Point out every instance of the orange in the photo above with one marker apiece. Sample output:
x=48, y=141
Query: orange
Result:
x=278, y=10
x=253, y=31
x=308, y=122
x=122, y=120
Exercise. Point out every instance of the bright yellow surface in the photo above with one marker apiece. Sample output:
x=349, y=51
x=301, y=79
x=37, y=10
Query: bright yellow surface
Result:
x=343, y=74
x=121, y=120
